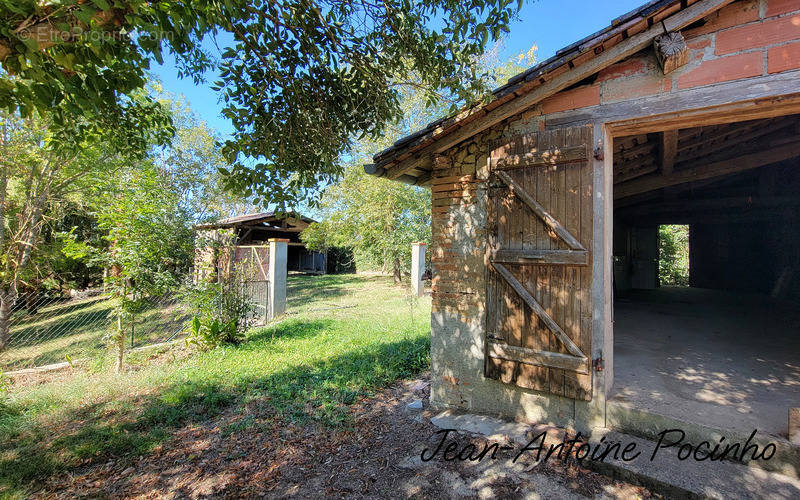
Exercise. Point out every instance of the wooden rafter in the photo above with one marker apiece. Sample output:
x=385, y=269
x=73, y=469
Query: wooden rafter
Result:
x=668, y=151
x=736, y=162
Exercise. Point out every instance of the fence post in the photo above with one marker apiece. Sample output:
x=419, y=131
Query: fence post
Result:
x=417, y=268
x=277, y=277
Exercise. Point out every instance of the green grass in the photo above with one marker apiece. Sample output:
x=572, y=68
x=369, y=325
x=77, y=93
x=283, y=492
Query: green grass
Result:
x=343, y=337
x=78, y=328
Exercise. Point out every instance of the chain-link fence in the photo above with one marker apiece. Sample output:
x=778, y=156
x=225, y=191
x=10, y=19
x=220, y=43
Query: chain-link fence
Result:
x=258, y=291
x=45, y=329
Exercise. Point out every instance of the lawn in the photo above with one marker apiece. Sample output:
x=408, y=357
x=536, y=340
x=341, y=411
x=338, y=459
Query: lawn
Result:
x=76, y=330
x=343, y=338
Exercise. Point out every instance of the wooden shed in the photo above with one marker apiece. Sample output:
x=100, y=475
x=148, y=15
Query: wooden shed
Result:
x=546, y=202
x=243, y=240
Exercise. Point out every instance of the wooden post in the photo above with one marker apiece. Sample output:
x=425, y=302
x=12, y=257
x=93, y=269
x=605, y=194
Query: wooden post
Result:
x=417, y=268
x=794, y=425
x=277, y=277
x=671, y=51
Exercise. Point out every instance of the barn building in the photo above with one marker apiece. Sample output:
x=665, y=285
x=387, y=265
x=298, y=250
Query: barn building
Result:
x=245, y=239
x=546, y=206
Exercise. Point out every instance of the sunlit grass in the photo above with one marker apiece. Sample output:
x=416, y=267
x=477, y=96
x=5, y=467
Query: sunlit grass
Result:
x=343, y=337
x=76, y=330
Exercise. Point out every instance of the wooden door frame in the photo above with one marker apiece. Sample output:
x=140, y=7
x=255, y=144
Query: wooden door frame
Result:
x=762, y=106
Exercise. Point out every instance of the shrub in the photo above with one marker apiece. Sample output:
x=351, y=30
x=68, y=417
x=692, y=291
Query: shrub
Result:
x=224, y=310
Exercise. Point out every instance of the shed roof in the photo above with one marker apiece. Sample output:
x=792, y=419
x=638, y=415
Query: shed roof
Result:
x=626, y=35
x=254, y=219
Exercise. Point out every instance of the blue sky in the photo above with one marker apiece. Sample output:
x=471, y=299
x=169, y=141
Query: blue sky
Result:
x=550, y=24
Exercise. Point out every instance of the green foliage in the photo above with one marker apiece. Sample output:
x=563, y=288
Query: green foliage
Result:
x=224, y=310
x=307, y=369
x=300, y=81
x=192, y=162
x=209, y=333
x=673, y=258
x=377, y=218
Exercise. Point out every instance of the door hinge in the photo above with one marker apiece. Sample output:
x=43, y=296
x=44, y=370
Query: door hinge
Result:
x=597, y=364
x=598, y=151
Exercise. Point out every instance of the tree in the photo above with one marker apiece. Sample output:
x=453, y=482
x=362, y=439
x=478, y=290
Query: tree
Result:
x=38, y=168
x=150, y=245
x=673, y=255
x=301, y=80
x=378, y=219
x=192, y=162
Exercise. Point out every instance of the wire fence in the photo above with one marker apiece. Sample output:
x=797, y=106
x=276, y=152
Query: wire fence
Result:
x=46, y=329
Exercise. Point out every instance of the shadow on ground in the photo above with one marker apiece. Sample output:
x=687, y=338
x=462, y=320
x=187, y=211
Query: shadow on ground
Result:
x=31, y=452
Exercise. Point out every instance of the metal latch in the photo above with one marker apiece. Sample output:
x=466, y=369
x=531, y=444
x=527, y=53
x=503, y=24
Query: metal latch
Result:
x=597, y=364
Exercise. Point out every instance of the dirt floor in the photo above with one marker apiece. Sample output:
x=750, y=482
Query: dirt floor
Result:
x=377, y=457
x=721, y=359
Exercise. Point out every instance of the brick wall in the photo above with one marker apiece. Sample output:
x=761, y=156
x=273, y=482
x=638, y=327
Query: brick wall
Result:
x=745, y=39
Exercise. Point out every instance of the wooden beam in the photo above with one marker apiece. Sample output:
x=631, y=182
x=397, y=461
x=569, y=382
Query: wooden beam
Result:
x=668, y=151
x=400, y=169
x=548, y=257
x=729, y=102
x=540, y=212
x=671, y=51
x=736, y=163
x=539, y=311
x=618, y=52
x=706, y=204
x=541, y=158
x=536, y=357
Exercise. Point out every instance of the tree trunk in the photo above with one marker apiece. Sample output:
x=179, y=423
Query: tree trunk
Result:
x=6, y=304
x=397, y=277
x=120, y=341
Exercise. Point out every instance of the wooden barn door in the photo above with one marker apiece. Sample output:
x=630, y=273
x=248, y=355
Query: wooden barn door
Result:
x=539, y=301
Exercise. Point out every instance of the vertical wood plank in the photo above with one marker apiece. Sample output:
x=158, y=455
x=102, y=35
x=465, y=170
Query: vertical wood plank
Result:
x=564, y=292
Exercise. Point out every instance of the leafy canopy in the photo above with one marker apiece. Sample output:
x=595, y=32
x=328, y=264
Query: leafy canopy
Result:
x=301, y=80
x=378, y=219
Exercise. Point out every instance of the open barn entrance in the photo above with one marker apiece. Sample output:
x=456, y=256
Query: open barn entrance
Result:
x=724, y=351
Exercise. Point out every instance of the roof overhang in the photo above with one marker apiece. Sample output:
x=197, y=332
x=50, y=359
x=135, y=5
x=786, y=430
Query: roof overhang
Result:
x=410, y=159
x=263, y=220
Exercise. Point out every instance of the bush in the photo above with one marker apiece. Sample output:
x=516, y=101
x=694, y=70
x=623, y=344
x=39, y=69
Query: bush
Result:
x=224, y=311
x=5, y=385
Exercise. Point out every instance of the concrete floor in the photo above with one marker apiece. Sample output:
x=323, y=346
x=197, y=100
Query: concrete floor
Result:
x=726, y=360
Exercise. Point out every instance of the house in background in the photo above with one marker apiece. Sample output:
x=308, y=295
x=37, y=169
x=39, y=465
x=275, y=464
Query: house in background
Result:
x=228, y=243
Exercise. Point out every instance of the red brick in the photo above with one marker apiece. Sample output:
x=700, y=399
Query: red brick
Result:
x=723, y=69
x=624, y=68
x=782, y=29
x=667, y=84
x=727, y=17
x=778, y=7
x=699, y=44
x=580, y=97
x=628, y=88
x=783, y=58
